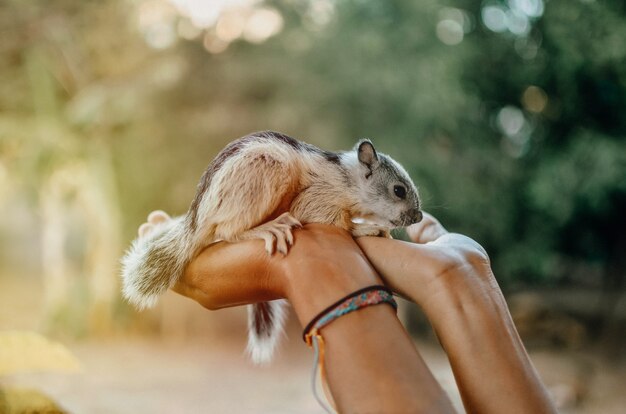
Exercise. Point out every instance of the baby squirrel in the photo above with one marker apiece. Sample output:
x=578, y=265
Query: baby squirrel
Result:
x=260, y=187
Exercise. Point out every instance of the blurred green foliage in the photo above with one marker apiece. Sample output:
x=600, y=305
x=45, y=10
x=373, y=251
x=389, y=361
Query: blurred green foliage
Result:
x=515, y=137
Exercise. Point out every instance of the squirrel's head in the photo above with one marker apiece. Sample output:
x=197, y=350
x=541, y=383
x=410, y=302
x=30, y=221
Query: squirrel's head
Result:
x=388, y=195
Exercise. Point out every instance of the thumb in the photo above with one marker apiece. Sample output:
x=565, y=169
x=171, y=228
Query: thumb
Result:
x=426, y=231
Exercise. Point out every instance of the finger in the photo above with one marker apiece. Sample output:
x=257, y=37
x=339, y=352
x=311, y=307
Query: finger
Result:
x=144, y=229
x=289, y=237
x=427, y=230
x=281, y=244
x=158, y=216
x=269, y=242
x=294, y=222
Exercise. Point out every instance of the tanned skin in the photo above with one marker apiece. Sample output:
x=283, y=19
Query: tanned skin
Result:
x=448, y=275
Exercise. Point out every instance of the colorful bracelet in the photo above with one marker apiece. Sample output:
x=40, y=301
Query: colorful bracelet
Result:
x=369, y=296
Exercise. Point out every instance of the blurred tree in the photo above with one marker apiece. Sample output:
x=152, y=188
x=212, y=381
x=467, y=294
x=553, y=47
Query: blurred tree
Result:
x=54, y=57
x=509, y=114
x=565, y=81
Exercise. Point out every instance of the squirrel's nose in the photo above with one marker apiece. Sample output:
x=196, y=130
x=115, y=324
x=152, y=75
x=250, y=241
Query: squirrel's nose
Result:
x=414, y=215
x=418, y=216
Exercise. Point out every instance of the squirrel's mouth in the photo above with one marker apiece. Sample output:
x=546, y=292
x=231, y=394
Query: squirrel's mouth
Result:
x=409, y=217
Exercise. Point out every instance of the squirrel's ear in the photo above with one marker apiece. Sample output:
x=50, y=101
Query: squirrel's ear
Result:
x=366, y=152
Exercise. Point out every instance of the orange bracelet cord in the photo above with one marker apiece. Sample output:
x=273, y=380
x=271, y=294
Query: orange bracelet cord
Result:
x=372, y=295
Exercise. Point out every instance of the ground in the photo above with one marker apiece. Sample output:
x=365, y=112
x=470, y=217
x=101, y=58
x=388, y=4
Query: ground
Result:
x=209, y=373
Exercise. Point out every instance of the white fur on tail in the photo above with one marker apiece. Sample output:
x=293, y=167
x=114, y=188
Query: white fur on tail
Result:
x=154, y=263
x=265, y=327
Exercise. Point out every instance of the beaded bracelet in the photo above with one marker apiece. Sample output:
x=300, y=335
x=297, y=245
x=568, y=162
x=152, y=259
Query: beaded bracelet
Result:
x=369, y=296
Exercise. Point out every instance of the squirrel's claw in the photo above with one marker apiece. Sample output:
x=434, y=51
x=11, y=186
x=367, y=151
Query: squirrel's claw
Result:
x=281, y=242
x=269, y=242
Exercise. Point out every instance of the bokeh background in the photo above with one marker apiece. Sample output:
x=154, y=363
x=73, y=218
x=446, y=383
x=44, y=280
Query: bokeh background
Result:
x=510, y=115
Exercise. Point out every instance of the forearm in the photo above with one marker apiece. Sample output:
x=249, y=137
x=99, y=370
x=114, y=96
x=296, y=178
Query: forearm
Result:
x=490, y=364
x=460, y=296
x=218, y=277
x=371, y=363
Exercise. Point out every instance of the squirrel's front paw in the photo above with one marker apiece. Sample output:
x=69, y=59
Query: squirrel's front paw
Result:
x=371, y=230
x=276, y=233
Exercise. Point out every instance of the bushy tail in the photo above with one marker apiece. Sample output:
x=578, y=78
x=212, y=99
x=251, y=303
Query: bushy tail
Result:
x=154, y=263
x=265, y=327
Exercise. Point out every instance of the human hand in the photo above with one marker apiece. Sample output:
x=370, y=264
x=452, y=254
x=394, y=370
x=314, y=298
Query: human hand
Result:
x=436, y=262
x=449, y=275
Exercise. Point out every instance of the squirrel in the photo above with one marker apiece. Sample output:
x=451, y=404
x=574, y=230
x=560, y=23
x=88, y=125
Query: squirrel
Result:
x=261, y=186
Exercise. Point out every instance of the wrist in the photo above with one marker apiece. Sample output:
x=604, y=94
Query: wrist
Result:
x=474, y=326
x=461, y=298
x=310, y=292
x=323, y=265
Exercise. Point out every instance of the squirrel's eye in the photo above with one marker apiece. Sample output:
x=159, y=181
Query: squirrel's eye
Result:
x=399, y=191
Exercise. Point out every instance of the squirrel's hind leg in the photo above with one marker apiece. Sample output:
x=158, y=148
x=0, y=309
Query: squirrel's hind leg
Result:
x=276, y=233
x=152, y=223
